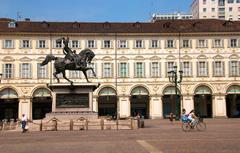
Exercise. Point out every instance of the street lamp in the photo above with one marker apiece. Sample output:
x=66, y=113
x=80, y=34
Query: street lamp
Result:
x=1, y=77
x=173, y=78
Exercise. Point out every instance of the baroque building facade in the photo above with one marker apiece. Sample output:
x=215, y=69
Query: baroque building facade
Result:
x=131, y=63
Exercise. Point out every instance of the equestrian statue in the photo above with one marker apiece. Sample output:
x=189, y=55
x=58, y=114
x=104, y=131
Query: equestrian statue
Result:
x=71, y=61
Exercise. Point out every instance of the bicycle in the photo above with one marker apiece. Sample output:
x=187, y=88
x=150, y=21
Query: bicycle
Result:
x=198, y=124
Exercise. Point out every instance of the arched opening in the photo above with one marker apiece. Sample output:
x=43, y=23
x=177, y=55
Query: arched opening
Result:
x=107, y=102
x=41, y=103
x=139, y=102
x=8, y=104
x=203, y=102
x=233, y=101
x=169, y=101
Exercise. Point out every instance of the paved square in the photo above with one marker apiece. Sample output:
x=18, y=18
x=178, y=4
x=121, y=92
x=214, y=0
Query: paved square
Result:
x=159, y=136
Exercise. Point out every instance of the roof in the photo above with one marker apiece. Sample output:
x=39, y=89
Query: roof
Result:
x=159, y=26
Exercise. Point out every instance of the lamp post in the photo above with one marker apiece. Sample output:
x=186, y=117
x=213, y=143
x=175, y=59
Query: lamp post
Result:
x=1, y=77
x=173, y=78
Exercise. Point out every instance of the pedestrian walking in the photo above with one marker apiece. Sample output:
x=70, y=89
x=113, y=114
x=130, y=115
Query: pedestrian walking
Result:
x=24, y=123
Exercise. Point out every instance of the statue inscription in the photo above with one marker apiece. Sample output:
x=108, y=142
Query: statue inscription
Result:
x=72, y=101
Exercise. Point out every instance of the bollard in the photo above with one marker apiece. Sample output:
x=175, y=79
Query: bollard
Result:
x=86, y=122
x=40, y=126
x=131, y=123
x=71, y=125
x=117, y=123
x=102, y=124
x=54, y=124
x=11, y=124
x=5, y=126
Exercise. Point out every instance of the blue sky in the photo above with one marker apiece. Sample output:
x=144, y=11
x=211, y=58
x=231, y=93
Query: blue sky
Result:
x=90, y=10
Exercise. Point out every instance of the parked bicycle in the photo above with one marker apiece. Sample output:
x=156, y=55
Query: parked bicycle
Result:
x=197, y=123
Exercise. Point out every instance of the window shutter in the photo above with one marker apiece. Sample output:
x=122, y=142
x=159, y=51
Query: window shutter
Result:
x=20, y=70
x=135, y=71
x=86, y=44
x=222, y=42
x=223, y=68
x=166, y=69
x=112, y=71
x=103, y=71
x=128, y=70
x=13, y=71
x=174, y=43
x=30, y=71
x=46, y=43
x=238, y=42
x=119, y=70
x=190, y=43
x=37, y=43
x=143, y=70
x=13, y=43
x=206, y=44
x=150, y=69
x=229, y=68
x=198, y=68
x=70, y=44
x=38, y=70
x=3, y=44
x=229, y=42
x=190, y=69
x=126, y=44
x=159, y=69
x=207, y=72
x=143, y=44
x=3, y=70
x=54, y=44
x=213, y=67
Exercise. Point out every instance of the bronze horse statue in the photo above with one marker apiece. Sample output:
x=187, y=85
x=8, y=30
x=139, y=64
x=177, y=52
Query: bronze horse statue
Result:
x=71, y=61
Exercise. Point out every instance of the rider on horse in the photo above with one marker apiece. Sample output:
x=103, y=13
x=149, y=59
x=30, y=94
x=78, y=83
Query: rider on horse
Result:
x=71, y=55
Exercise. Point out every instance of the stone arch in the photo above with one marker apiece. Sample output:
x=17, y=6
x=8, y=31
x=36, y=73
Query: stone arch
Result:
x=107, y=102
x=139, y=101
x=233, y=101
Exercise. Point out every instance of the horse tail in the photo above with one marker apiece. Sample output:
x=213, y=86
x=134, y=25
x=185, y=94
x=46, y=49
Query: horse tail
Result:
x=48, y=58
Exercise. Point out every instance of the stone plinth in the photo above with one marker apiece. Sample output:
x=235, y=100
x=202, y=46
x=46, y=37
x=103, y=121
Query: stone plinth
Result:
x=72, y=101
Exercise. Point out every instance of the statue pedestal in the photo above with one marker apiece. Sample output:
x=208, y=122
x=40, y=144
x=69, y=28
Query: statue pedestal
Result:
x=72, y=101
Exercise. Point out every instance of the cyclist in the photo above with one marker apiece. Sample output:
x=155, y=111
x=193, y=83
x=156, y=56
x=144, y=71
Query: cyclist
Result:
x=184, y=116
x=192, y=116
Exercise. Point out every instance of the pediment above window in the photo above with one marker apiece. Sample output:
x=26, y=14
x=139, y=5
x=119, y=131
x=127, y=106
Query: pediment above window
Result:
x=139, y=58
x=8, y=59
x=107, y=58
x=170, y=57
x=25, y=59
x=123, y=58
x=186, y=57
x=202, y=57
x=218, y=57
x=155, y=58
x=234, y=56
x=41, y=59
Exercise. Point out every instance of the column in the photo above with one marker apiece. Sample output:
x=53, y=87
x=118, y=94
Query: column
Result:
x=125, y=107
x=24, y=107
x=219, y=106
x=95, y=104
x=156, y=107
x=188, y=103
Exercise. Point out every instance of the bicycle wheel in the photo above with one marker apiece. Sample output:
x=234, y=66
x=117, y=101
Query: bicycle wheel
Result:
x=201, y=126
x=186, y=127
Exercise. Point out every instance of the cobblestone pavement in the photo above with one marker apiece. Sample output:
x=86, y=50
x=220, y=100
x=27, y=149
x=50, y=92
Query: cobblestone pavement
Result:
x=158, y=136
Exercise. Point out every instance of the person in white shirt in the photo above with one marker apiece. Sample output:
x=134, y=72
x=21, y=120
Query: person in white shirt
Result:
x=24, y=123
x=192, y=116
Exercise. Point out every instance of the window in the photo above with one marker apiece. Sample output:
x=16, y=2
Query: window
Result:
x=234, y=68
x=75, y=74
x=139, y=69
x=185, y=43
x=8, y=71
x=204, y=1
x=221, y=2
x=122, y=44
x=42, y=71
x=169, y=67
x=238, y=1
x=8, y=44
x=25, y=44
x=230, y=1
x=155, y=69
x=213, y=9
x=170, y=44
x=233, y=42
x=42, y=44
x=202, y=43
x=57, y=45
x=217, y=43
x=218, y=68
x=106, y=44
x=25, y=70
x=186, y=68
x=139, y=44
x=75, y=44
x=89, y=72
x=202, y=68
x=91, y=44
x=154, y=44
x=221, y=9
x=238, y=9
x=230, y=9
x=123, y=70
x=204, y=9
x=107, y=70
